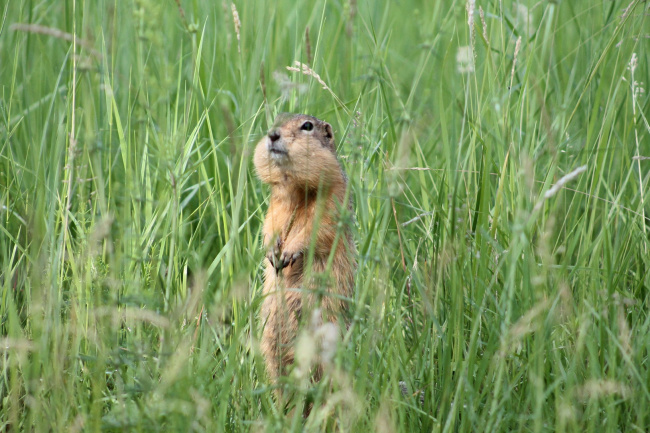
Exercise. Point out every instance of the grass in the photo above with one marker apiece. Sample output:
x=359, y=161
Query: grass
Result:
x=130, y=244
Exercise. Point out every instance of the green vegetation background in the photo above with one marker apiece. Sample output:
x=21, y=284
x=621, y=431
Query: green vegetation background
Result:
x=506, y=296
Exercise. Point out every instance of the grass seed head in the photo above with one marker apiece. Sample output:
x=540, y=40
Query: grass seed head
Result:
x=237, y=22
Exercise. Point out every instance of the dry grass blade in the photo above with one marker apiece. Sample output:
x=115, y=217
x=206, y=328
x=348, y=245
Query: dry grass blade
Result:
x=56, y=33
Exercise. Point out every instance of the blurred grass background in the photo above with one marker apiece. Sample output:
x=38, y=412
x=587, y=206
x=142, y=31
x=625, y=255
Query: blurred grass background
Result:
x=130, y=215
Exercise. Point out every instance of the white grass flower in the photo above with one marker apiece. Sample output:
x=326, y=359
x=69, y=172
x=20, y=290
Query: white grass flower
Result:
x=325, y=337
x=483, y=24
x=560, y=184
x=563, y=181
x=514, y=60
x=471, y=7
x=464, y=60
x=627, y=10
x=597, y=388
x=305, y=69
x=329, y=340
x=8, y=344
x=235, y=18
x=523, y=20
x=633, y=63
x=304, y=354
x=287, y=86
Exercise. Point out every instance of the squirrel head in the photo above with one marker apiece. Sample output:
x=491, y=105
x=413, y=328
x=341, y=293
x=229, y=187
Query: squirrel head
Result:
x=298, y=152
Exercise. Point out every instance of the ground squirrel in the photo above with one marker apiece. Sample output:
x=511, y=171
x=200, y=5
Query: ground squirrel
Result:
x=297, y=158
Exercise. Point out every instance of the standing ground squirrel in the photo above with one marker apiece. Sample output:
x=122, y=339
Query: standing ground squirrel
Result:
x=308, y=188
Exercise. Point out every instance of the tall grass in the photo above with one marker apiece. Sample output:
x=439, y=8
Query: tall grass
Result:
x=495, y=152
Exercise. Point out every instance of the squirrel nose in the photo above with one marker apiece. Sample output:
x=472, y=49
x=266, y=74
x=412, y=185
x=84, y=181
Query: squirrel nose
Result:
x=274, y=135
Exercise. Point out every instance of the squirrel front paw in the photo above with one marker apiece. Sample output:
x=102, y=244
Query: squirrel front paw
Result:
x=289, y=258
x=273, y=255
x=285, y=259
x=280, y=259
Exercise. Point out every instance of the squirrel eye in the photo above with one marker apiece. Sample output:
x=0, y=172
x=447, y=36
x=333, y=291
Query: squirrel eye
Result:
x=307, y=126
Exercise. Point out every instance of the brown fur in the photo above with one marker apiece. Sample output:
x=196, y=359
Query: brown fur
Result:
x=308, y=189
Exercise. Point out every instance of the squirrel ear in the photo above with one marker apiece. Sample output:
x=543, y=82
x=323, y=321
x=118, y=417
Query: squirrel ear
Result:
x=329, y=136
